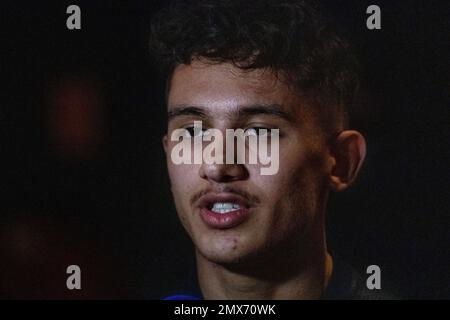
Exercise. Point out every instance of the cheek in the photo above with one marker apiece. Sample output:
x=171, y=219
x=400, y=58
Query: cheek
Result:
x=292, y=194
x=183, y=180
x=304, y=191
x=292, y=161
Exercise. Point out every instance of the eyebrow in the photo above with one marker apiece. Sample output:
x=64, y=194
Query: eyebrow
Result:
x=240, y=111
x=184, y=110
x=262, y=109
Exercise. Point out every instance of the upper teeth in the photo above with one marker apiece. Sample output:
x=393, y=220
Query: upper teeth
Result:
x=224, y=207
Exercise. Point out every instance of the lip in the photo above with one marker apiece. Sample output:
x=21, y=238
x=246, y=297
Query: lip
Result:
x=223, y=220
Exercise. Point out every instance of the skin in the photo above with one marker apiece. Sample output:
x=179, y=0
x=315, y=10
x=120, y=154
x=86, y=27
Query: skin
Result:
x=279, y=251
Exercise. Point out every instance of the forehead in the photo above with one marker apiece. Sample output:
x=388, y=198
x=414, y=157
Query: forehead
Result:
x=224, y=86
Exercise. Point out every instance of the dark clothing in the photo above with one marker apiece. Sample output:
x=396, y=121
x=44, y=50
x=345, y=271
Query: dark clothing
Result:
x=345, y=284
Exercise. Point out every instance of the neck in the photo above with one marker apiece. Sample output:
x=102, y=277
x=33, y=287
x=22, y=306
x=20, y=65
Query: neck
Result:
x=297, y=273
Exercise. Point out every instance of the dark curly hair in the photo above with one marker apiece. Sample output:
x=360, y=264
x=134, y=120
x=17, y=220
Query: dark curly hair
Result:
x=293, y=38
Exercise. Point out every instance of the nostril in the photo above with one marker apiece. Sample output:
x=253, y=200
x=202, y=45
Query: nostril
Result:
x=228, y=178
x=223, y=172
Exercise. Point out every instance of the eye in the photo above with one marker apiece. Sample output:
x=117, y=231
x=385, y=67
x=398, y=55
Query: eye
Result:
x=195, y=132
x=257, y=131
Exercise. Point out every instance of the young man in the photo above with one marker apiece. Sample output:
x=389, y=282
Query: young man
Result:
x=261, y=65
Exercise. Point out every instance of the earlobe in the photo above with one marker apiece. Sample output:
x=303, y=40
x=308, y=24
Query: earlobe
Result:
x=165, y=142
x=348, y=151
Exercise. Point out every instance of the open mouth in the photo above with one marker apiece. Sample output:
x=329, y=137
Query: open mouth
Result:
x=224, y=207
x=223, y=210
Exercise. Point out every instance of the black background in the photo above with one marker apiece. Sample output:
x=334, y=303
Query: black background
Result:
x=110, y=211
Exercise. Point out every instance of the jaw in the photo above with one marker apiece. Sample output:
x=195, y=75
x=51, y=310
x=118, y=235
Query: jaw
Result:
x=261, y=254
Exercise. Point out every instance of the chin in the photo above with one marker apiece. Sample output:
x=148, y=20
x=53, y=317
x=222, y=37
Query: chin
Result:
x=224, y=250
x=222, y=259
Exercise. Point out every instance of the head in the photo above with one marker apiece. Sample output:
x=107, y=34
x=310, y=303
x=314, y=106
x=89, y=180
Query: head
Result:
x=266, y=64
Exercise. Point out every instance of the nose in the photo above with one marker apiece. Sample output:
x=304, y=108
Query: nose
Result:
x=223, y=172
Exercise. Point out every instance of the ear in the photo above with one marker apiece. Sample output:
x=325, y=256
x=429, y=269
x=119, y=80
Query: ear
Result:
x=165, y=143
x=348, y=151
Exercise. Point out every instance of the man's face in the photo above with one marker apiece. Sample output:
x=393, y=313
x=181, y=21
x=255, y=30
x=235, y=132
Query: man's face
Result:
x=276, y=211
